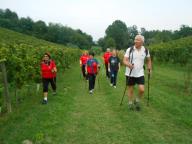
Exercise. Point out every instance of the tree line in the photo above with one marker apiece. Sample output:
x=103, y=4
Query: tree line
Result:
x=52, y=32
x=117, y=35
x=120, y=36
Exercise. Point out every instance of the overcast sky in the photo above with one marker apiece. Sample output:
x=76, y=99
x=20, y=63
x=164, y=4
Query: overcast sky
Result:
x=93, y=16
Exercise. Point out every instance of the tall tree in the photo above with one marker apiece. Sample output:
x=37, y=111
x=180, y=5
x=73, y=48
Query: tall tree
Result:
x=119, y=32
x=39, y=29
x=53, y=32
x=26, y=25
x=110, y=43
x=184, y=31
x=132, y=32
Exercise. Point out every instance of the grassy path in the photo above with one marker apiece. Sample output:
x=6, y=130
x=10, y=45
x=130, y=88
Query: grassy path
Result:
x=75, y=117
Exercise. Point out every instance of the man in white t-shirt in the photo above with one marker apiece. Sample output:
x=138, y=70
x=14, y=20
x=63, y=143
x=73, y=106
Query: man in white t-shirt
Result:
x=134, y=62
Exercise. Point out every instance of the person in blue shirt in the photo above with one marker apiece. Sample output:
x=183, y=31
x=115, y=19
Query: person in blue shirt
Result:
x=92, y=69
x=114, y=67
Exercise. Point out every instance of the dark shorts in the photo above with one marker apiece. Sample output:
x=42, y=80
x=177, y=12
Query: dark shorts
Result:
x=46, y=82
x=135, y=80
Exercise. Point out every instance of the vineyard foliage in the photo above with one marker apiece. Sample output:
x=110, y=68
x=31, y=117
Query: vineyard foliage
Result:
x=23, y=55
x=177, y=51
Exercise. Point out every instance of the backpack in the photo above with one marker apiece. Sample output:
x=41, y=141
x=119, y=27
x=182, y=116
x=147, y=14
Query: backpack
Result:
x=93, y=67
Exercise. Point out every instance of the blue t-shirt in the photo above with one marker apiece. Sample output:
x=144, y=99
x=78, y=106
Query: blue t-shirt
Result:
x=114, y=63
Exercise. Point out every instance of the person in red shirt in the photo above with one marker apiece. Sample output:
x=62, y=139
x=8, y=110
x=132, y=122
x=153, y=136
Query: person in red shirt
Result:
x=48, y=73
x=83, y=60
x=92, y=69
x=106, y=57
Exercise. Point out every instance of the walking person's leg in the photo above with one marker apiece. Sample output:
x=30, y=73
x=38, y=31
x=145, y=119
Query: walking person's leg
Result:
x=107, y=71
x=53, y=85
x=115, y=79
x=90, y=83
x=141, y=89
x=111, y=78
x=94, y=78
x=83, y=71
x=86, y=75
x=130, y=97
x=130, y=83
x=89, y=78
x=45, y=90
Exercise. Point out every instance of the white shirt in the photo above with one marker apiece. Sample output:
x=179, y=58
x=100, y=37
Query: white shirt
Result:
x=138, y=61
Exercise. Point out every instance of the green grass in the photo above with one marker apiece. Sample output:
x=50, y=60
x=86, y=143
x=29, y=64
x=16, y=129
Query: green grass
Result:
x=75, y=117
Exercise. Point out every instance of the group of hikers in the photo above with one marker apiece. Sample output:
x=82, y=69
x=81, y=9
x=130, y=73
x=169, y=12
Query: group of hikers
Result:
x=134, y=60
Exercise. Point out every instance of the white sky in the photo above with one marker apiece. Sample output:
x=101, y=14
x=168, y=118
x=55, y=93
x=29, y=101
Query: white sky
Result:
x=94, y=16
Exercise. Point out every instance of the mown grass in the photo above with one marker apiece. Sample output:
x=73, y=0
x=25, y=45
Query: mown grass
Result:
x=75, y=117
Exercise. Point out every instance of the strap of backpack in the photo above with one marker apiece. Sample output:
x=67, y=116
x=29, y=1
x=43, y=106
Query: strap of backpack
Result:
x=130, y=51
x=146, y=53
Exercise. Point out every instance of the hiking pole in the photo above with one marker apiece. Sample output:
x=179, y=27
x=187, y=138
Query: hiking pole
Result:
x=148, y=88
x=125, y=88
x=131, y=50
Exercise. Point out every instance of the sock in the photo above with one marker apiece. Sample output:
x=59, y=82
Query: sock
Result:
x=45, y=98
x=130, y=102
x=137, y=99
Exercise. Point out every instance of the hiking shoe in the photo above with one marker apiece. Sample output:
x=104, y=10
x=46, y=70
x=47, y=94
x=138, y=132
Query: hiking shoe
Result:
x=130, y=107
x=91, y=92
x=137, y=106
x=44, y=102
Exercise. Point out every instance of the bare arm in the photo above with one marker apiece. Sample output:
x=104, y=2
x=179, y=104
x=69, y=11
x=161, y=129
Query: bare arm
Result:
x=86, y=68
x=55, y=69
x=127, y=63
x=108, y=65
x=80, y=63
x=149, y=64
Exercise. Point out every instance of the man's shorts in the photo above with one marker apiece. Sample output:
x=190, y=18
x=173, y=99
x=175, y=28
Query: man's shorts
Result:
x=131, y=81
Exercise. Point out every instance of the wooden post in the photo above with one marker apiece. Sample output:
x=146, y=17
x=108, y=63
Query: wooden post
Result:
x=5, y=83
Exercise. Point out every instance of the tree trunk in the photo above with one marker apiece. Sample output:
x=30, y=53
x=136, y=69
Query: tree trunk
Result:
x=5, y=83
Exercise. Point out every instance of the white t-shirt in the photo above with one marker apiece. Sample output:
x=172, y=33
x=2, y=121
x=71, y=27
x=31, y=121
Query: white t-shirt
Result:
x=138, y=61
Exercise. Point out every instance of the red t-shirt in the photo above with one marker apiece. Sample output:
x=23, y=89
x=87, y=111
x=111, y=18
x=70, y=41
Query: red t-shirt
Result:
x=84, y=59
x=92, y=65
x=106, y=56
x=46, y=69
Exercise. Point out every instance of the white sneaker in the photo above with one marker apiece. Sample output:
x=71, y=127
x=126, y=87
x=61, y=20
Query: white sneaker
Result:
x=91, y=91
x=114, y=86
x=111, y=84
